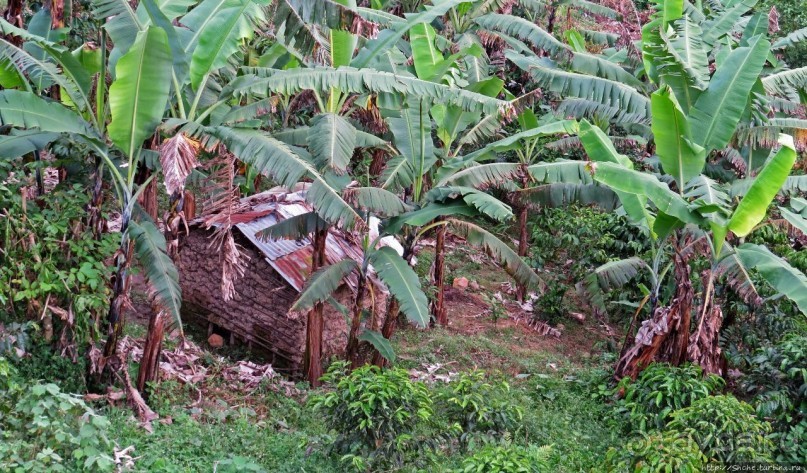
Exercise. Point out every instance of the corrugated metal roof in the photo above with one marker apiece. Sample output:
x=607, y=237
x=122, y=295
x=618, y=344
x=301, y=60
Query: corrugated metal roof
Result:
x=292, y=258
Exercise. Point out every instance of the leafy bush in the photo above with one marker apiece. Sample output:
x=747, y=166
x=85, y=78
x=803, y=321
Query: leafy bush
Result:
x=44, y=429
x=791, y=443
x=662, y=389
x=238, y=464
x=42, y=362
x=587, y=237
x=551, y=307
x=661, y=451
x=584, y=238
x=375, y=413
x=481, y=408
x=50, y=258
x=725, y=429
x=777, y=379
x=507, y=458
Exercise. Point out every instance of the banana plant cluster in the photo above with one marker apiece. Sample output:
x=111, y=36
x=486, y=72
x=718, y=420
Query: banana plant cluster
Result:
x=413, y=196
x=694, y=115
x=207, y=75
x=202, y=75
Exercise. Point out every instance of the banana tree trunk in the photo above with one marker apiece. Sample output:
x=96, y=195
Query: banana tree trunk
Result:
x=95, y=219
x=172, y=222
x=120, y=288
x=523, y=236
x=152, y=348
x=660, y=338
x=704, y=347
x=553, y=13
x=352, y=350
x=40, y=184
x=13, y=15
x=312, y=361
x=56, y=14
x=148, y=198
x=150, y=363
x=393, y=309
x=523, y=247
x=120, y=291
x=438, y=308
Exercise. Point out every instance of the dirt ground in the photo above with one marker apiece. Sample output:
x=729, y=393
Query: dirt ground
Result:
x=468, y=314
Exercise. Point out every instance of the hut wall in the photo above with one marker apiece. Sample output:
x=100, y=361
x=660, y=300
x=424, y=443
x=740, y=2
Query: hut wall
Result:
x=257, y=313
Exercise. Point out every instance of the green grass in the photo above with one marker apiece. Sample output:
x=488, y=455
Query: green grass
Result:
x=281, y=434
x=197, y=439
x=555, y=393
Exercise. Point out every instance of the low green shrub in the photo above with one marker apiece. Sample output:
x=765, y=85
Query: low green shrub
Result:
x=43, y=429
x=507, y=458
x=725, y=429
x=658, y=452
x=791, y=443
x=238, y=464
x=777, y=379
x=43, y=362
x=482, y=409
x=551, y=307
x=375, y=413
x=661, y=389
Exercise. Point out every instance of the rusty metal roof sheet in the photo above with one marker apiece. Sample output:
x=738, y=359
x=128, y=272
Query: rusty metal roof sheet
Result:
x=292, y=258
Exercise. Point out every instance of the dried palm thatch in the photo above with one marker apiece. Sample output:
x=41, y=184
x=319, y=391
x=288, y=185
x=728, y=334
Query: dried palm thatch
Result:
x=178, y=159
x=219, y=209
x=704, y=349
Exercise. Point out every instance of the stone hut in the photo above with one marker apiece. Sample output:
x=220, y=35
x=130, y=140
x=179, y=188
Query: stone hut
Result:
x=275, y=274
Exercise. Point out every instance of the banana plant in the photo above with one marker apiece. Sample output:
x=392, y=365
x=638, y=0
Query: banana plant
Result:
x=441, y=205
x=530, y=182
x=705, y=206
x=392, y=270
x=702, y=203
x=113, y=126
x=675, y=50
x=693, y=116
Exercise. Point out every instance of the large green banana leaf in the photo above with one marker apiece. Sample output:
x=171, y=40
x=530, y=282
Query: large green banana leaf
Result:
x=755, y=204
x=630, y=181
x=717, y=111
x=425, y=55
x=321, y=285
x=221, y=37
x=139, y=94
x=600, y=148
x=680, y=157
x=412, y=134
x=27, y=110
x=331, y=140
x=383, y=42
x=777, y=272
x=403, y=283
x=162, y=275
